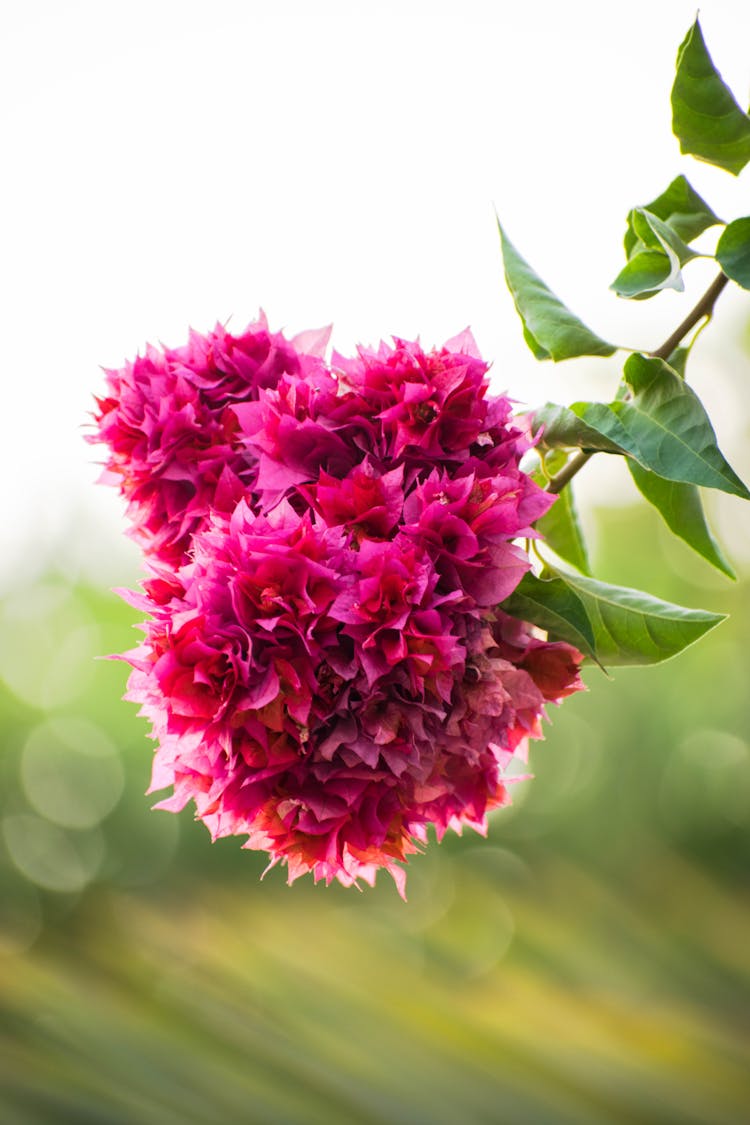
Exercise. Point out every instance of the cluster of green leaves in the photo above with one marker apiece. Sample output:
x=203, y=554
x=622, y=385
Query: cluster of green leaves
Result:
x=655, y=419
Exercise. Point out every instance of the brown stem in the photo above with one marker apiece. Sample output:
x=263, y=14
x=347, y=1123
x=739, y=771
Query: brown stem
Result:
x=574, y=465
x=704, y=307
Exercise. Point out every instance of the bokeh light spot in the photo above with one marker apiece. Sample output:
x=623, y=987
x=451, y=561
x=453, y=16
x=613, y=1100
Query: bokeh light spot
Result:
x=50, y=857
x=71, y=772
x=706, y=783
x=49, y=643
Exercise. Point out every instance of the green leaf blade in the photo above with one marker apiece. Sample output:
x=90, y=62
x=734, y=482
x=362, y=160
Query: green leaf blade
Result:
x=664, y=427
x=678, y=360
x=584, y=425
x=560, y=526
x=681, y=509
x=563, y=533
x=550, y=329
x=612, y=625
x=733, y=252
x=670, y=429
x=652, y=231
x=553, y=606
x=655, y=257
x=681, y=208
x=645, y=275
x=706, y=118
x=634, y=628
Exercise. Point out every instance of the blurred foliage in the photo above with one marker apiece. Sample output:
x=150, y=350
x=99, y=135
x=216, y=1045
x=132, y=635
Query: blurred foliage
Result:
x=588, y=963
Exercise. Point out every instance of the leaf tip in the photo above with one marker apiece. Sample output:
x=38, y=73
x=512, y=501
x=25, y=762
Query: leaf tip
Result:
x=706, y=119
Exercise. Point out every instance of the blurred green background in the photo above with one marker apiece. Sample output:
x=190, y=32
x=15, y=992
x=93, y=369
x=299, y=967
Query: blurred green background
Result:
x=589, y=962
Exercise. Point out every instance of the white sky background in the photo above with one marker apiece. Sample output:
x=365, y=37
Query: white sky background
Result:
x=171, y=162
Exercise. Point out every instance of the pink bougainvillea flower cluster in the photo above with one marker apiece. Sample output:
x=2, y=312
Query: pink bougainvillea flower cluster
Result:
x=325, y=666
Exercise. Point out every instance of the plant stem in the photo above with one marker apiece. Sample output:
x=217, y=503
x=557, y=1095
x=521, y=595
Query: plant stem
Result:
x=574, y=465
x=704, y=308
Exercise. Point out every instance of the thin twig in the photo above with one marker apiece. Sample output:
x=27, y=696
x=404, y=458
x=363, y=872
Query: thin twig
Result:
x=574, y=465
x=704, y=308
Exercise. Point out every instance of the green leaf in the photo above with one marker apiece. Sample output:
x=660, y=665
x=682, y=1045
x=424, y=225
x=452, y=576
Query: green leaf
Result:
x=549, y=328
x=586, y=425
x=681, y=208
x=562, y=531
x=678, y=361
x=733, y=252
x=610, y=624
x=647, y=273
x=560, y=526
x=706, y=119
x=555, y=607
x=655, y=256
x=681, y=508
x=655, y=233
x=670, y=428
x=632, y=627
x=664, y=427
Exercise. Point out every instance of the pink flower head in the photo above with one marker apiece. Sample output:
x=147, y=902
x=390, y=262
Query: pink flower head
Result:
x=433, y=402
x=325, y=668
x=292, y=433
x=173, y=453
x=366, y=501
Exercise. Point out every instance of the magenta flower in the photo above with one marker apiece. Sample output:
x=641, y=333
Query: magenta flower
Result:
x=171, y=435
x=325, y=668
x=433, y=402
x=367, y=502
